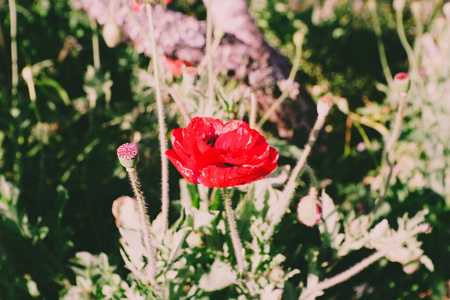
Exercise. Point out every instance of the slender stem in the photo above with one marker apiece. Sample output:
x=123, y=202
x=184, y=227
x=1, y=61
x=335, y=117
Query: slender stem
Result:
x=161, y=123
x=388, y=153
x=145, y=222
x=289, y=189
x=403, y=39
x=252, y=116
x=285, y=93
x=14, y=65
x=381, y=50
x=352, y=271
x=311, y=175
x=327, y=283
x=209, y=30
x=234, y=234
x=95, y=44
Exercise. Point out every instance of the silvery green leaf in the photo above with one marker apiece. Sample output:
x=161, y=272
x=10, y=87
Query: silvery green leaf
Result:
x=312, y=281
x=203, y=218
x=177, y=242
x=426, y=261
x=330, y=216
x=220, y=276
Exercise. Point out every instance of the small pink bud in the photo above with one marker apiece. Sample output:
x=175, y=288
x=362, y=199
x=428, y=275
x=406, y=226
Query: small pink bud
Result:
x=401, y=82
x=308, y=210
x=324, y=105
x=128, y=155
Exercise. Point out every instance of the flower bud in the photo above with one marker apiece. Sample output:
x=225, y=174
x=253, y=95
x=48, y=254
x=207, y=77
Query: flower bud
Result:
x=323, y=106
x=446, y=10
x=416, y=9
x=128, y=155
x=308, y=210
x=401, y=82
x=27, y=74
x=189, y=76
x=399, y=5
x=112, y=33
x=298, y=38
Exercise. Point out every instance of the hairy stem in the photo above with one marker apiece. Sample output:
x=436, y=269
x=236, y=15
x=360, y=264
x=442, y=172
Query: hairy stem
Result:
x=234, y=234
x=161, y=124
x=209, y=30
x=145, y=222
x=289, y=189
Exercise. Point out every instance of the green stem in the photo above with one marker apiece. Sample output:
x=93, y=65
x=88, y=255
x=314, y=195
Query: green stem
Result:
x=388, y=153
x=161, y=123
x=14, y=64
x=381, y=50
x=145, y=223
x=252, y=116
x=234, y=234
x=285, y=93
x=403, y=39
x=289, y=189
x=95, y=44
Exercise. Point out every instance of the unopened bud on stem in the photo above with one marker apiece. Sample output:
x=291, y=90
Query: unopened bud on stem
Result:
x=308, y=209
x=128, y=155
x=402, y=82
x=324, y=105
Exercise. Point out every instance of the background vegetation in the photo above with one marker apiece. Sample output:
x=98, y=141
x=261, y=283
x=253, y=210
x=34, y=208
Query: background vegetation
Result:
x=59, y=172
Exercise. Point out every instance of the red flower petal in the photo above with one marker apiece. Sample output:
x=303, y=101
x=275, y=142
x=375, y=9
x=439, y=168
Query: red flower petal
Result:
x=221, y=155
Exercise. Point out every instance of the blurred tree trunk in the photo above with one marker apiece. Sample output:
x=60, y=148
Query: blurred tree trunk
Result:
x=242, y=53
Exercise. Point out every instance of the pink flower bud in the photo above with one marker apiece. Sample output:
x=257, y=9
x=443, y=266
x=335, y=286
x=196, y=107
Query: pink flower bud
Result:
x=308, y=210
x=128, y=155
x=401, y=82
x=323, y=106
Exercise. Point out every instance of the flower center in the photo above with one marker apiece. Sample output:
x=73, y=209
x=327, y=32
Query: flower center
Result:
x=210, y=139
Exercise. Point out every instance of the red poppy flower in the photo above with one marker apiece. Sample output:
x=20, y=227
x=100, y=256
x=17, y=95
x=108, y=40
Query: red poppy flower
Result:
x=221, y=155
x=175, y=66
